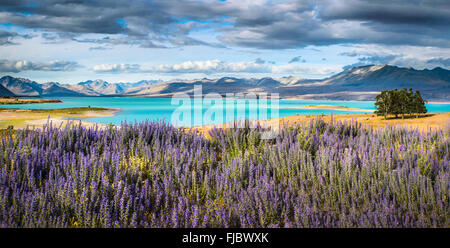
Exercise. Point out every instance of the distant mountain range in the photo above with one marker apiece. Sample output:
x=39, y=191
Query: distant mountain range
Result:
x=5, y=92
x=357, y=83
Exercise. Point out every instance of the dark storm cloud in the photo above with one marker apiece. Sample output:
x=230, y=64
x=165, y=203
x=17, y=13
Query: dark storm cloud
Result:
x=398, y=22
x=7, y=38
x=143, y=22
x=188, y=41
x=24, y=65
x=350, y=54
x=80, y=24
x=260, y=61
x=102, y=17
x=99, y=48
x=423, y=12
x=297, y=59
x=278, y=25
x=127, y=40
x=423, y=23
x=256, y=24
x=56, y=38
x=372, y=60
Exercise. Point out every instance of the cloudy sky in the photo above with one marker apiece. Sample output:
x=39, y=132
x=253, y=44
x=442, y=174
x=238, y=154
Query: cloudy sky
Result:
x=129, y=40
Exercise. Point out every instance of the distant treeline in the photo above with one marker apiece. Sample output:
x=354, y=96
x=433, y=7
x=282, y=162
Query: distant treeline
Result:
x=400, y=102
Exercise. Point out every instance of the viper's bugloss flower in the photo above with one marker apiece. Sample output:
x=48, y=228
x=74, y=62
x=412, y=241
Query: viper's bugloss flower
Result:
x=151, y=174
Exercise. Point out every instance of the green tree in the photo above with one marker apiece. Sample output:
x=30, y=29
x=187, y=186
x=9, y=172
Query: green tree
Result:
x=382, y=104
x=419, y=104
x=402, y=98
x=394, y=101
x=399, y=102
x=410, y=103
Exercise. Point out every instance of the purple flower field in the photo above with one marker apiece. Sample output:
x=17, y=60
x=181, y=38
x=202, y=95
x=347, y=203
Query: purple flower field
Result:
x=151, y=174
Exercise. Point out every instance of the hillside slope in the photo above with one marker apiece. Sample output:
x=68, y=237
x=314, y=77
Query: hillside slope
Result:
x=357, y=83
x=5, y=92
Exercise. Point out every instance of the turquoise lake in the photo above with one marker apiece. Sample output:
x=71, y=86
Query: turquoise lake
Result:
x=140, y=109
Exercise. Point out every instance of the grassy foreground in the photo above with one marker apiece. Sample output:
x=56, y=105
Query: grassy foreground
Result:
x=154, y=175
x=425, y=122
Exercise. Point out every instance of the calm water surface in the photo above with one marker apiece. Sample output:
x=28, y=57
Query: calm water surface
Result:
x=139, y=109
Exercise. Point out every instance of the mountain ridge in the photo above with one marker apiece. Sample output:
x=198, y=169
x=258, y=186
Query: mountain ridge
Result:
x=4, y=92
x=355, y=83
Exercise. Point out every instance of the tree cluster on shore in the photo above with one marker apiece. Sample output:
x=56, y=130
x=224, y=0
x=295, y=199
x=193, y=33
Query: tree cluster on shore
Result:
x=400, y=103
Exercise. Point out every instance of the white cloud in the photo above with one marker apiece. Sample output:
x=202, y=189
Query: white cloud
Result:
x=305, y=69
x=212, y=66
x=403, y=56
x=116, y=68
x=218, y=66
x=24, y=65
x=207, y=67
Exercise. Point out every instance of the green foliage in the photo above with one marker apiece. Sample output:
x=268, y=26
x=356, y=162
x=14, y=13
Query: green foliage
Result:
x=400, y=102
x=9, y=100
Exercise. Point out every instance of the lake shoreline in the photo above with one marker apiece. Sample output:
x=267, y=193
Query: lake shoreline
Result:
x=330, y=107
x=170, y=95
x=425, y=123
x=13, y=101
x=21, y=118
x=141, y=109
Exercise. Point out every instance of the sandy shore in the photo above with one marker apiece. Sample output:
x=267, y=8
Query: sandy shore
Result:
x=330, y=107
x=439, y=102
x=106, y=113
x=21, y=118
x=62, y=121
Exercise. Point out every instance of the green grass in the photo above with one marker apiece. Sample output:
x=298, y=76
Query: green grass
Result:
x=77, y=110
x=8, y=101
